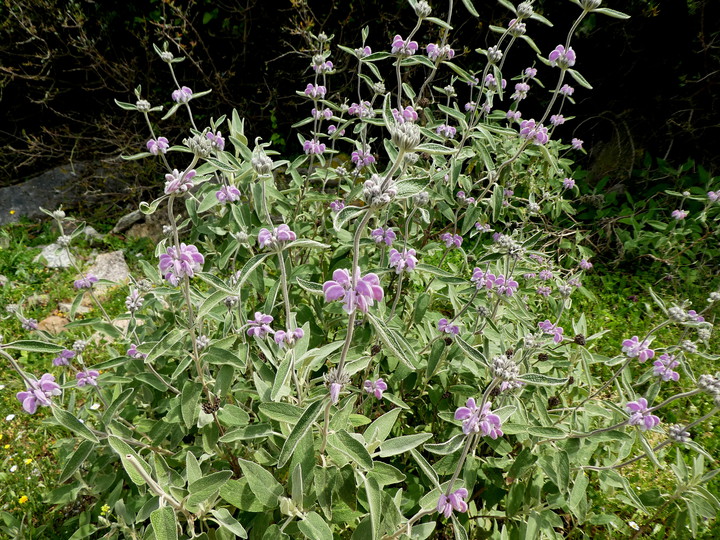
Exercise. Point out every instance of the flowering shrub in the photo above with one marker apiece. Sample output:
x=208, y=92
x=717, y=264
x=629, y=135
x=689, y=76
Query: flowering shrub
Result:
x=371, y=395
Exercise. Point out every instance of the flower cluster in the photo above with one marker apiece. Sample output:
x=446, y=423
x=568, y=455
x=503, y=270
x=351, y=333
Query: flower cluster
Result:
x=506, y=286
x=383, y=235
x=85, y=282
x=446, y=131
x=453, y=501
x=445, y=326
x=403, y=47
x=336, y=206
x=376, y=194
x=549, y=328
x=217, y=140
x=362, y=158
x=402, y=261
x=63, y=359
x=641, y=416
x=289, y=338
x=158, y=146
x=437, y=52
x=663, y=368
x=180, y=262
x=408, y=114
x=375, y=387
x=260, y=325
x=280, y=235
x=227, y=194
x=87, y=377
x=178, y=182
x=634, y=348
x=537, y=134
x=313, y=147
x=356, y=292
x=133, y=352
x=362, y=110
x=477, y=420
x=133, y=301
x=182, y=95
x=39, y=393
x=562, y=58
x=315, y=91
x=451, y=240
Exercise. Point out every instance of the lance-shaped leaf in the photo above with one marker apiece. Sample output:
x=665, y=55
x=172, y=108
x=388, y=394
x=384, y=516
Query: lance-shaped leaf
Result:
x=402, y=444
x=539, y=379
x=77, y=459
x=34, y=346
x=310, y=286
x=69, y=421
x=471, y=351
x=164, y=523
x=249, y=268
x=393, y=341
x=301, y=428
x=447, y=447
x=345, y=443
x=265, y=488
x=314, y=527
x=345, y=215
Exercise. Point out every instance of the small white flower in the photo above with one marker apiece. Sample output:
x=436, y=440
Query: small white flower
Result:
x=10, y=418
x=13, y=468
x=634, y=525
x=94, y=406
x=2, y=387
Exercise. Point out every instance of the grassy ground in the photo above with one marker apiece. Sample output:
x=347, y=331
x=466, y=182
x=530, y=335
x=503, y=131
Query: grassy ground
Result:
x=28, y=468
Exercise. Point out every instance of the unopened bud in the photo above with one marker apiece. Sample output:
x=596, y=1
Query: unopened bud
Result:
x=423, y=9
x=406, y=136
x=142, y=105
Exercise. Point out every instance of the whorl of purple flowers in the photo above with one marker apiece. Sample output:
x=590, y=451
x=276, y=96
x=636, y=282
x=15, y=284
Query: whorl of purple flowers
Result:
x=39, y=393
x=177, y=263
x=640, y=416
x=477, y=420
x=362, y=296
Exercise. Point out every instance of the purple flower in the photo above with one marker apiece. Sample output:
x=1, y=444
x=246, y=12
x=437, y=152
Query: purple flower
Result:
x=63, y=359
x=288, y=338
x=482, y=279
x=363, y=110
x=454, y=501
x=713, y=196
x=363, y=52
x=85, y=282
x=383, y=235
x=544, y=291
x=483, y=227
x=506, y=286
x=692, y=315
x=521, y=90
x=336, y=206
x=470, y=106
x=549, y=328
x=664, y=368
x=513, y=116
x=446, y=131
x=451, y=240
x=133, y=301
x=530, y=72
x=577, y=144
x=332, y=128
x=679, y=214
x=362, y=158
x=132, y=352
x=260, y=326
x=557, y=119
x=158, y=146
x=29, y=324
x=640, y=415
x=376, y=388
x=176, y=264
x=216, y=139
x=435, y=52
x=183, y=95
x=491, y=82
x=402, y=261
x=313, y=146
x=633, y=348
x=228, y=194
x=445, y=326
x=319, y=114
x=178, y=182
x=321, y=66
x=585, y=264
x=87, y=377
x=545, y=275
x=567, y=90
x=562, y=58
x=538, y=134
x=39, y=393
x=335, y=392
x=362, y=296
x=408, y=114
x=476, y=420
x=403, y=48
x=315, y=91
x=279, y=235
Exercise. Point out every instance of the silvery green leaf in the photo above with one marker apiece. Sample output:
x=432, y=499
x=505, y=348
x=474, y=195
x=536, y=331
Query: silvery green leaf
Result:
x=304, y=425
x=265, y=488
x=68, y=420
x=541, y=380
x=345, y=215
x=30, y=345
x=469, y=6
x=345, y=443
x=141, y=155
x=426, y=468
x=399, y=445
x=411, y=186
x=611, y=13
x=379, y=430
x=471, y=351
x=76, y=460
x=580, y=79
x=314, y=527
x=126, y=106
x=226, y=521
x=306, y=244
x=164, y=523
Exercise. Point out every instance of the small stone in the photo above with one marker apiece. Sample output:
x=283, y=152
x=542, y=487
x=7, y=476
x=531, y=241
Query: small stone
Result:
x=53, y=324
x=127, y=221
x=110, y=266
x=65, y=307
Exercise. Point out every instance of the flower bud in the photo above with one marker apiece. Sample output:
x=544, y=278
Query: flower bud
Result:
x=260, y=161
x=688, y=346
x=505, y=369
x=63, y=240
x=59, y=215
x=421, y=199
x=166, y=56
x=422, y=9
x=406, y=136
x=677, y=432
x=589, y=5
x=201, y=146
x=525, y=10
x=677, y=314
x=494, y=55
x=142, y=105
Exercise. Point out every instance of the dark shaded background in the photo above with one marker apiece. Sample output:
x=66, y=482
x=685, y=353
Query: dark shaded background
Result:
x=62, y=64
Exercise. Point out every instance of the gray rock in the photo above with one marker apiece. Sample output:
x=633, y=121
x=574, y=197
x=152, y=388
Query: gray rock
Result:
x=110, y=266
x=127, y=221
x=65, y=307
x=54, y=256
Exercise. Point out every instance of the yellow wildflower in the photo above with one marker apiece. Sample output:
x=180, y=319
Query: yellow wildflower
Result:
x=23, y=499
x=12, y=212
x=6, y=446
x=104, y=509
x=28, y=461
